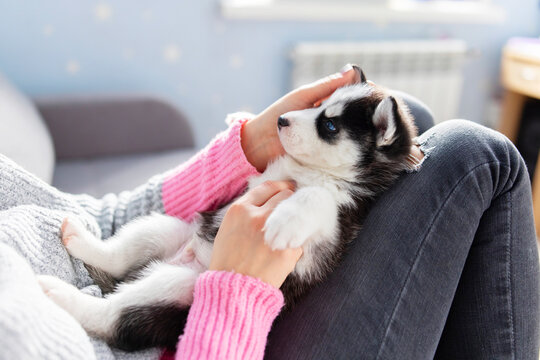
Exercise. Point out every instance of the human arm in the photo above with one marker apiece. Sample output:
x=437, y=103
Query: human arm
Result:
x=236, y=301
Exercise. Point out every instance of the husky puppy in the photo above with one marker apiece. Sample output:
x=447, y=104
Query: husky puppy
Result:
x=341, y=155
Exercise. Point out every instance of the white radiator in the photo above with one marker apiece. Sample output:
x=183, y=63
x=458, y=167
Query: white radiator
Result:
x=430, y=70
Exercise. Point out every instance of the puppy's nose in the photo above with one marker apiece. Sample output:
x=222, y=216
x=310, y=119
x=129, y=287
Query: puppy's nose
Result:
x=282, y=122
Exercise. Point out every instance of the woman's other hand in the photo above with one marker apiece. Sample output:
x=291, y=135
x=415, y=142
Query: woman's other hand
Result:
x=260, y=140
x=239, y=245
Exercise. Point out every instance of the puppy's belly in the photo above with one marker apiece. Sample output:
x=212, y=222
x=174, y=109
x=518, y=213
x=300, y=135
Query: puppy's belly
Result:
x=185, y=257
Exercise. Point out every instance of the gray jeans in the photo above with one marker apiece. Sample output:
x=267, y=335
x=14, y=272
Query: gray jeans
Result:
x=445, y=267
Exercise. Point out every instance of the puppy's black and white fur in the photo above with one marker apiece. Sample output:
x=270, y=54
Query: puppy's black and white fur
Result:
x=341, y=155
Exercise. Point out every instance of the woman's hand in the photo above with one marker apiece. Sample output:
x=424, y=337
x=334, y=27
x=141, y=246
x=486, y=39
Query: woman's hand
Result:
x=239, y=245
x=259, y=135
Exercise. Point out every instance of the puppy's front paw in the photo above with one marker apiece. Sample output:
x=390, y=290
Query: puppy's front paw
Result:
x=286, y=228
x=75, y=237
x=59, y=291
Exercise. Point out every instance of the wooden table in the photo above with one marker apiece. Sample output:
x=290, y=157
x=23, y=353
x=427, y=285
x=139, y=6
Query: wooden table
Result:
x=521, y=79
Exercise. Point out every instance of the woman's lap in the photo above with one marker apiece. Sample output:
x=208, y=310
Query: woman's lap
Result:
x=393, y=291
x=31, y=214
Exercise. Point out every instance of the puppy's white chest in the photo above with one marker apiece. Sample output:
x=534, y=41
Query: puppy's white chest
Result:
x=285, y=168
x=272, y=173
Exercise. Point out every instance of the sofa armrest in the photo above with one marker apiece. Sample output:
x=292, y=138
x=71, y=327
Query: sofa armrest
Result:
x=93, y=126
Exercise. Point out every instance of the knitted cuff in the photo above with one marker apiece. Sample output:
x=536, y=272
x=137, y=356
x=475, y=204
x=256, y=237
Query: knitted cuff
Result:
x=213, y=177
x=230, y=317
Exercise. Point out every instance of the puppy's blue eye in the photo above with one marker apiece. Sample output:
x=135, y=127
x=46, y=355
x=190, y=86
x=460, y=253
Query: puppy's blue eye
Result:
x=330, y=126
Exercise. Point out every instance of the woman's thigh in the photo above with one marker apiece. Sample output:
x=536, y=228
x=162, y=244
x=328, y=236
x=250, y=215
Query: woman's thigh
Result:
x=394, y=288
x=31, y=215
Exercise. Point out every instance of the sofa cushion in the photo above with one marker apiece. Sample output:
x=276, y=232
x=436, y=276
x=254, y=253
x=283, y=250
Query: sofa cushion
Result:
x=23, y=135
x=85, y=126
x=99, y=176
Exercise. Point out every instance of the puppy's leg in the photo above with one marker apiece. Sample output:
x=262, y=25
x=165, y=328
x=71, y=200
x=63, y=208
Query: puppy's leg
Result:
x=81, y=306
x=311, y=212
x=144, y=313
x=151, y=237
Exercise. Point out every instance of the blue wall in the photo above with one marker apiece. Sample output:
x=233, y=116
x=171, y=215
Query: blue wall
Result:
x=212, y=65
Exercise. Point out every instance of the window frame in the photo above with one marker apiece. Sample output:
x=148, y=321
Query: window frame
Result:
x=390, y=11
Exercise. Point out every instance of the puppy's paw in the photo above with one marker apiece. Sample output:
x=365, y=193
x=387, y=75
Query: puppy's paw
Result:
x=286, y=227
x=62, y=293
x=75, y=237
x=71, y=229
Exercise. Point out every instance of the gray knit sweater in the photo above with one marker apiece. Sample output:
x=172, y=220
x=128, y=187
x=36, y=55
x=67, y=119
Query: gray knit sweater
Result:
x=31, y=212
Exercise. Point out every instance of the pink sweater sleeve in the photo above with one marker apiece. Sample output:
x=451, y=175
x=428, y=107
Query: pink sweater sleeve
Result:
x=230, y=318
x=231, y=314
x=212, y=177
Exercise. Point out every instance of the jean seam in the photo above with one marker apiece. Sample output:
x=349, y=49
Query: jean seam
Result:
x=509, y=280
x=509, y=270
x=420, y=247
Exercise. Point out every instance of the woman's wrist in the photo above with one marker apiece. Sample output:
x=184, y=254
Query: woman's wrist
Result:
x=260, y=142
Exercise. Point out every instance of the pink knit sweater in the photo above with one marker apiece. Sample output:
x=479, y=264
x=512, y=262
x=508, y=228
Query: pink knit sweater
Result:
x=231, y=314
x=214, y=176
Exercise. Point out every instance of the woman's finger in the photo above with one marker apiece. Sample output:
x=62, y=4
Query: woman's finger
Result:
x=323, y=88
x=261, y=193
x=274, y=201
x=319, y=102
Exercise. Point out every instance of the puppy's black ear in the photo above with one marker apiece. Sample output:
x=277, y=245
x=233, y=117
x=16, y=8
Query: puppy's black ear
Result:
x=386, y=120
x=359, y=76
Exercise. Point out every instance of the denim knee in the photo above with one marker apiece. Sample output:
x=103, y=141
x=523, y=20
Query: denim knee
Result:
x=465, y=145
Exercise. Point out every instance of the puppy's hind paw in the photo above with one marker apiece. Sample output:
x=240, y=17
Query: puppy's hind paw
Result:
x=75, y=237
x=57, y=290
x=71, y=228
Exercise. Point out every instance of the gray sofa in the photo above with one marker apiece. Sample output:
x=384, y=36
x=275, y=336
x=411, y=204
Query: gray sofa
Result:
x=93, y=144
x=113, y=143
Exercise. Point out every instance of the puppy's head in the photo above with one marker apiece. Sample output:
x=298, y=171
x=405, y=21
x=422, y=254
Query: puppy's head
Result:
x=357, y=125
